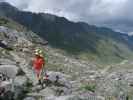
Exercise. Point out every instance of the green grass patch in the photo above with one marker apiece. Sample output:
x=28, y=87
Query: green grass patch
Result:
x=89, y=87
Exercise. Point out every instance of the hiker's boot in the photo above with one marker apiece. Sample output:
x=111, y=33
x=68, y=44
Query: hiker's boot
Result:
x=39, y=82
x=42, y=86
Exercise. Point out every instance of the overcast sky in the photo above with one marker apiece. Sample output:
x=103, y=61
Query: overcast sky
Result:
x=116, y=14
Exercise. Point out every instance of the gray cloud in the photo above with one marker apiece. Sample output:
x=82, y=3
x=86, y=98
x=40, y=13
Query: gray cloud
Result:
x=116, y=14
x=2, y=0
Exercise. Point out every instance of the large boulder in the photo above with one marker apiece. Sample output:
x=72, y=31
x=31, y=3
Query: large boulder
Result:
x=11, y=84
x=20, y=80
x=58, y=79
x=6, y=85
x=6, y=92
x=9, y=70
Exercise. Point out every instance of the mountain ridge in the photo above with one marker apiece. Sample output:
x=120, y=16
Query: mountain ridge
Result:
x=78, y=38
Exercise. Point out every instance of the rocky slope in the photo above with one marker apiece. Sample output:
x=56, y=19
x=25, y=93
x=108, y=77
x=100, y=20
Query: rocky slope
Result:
x=19, y=59
x=78, y=79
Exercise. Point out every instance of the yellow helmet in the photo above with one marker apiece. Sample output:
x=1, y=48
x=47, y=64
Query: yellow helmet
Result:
x=38, y=52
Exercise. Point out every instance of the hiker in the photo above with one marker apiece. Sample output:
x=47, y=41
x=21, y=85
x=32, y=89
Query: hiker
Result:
x=38, y=64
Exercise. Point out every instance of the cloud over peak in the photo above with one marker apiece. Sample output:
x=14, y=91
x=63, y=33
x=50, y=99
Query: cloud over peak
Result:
x=116, y=14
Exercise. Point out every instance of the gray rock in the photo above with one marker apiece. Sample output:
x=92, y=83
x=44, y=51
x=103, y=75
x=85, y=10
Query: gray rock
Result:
x=60, y=91
x=18, y=89
x=29, y=98
x=16, y=84
x=59, y=78
x=9, y=70
x=68, y=97
x=7, y=62
x=47, y=92
x=20, y=81
x=7, y=85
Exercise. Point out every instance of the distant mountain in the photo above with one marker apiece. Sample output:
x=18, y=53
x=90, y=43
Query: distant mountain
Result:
x=80, y=39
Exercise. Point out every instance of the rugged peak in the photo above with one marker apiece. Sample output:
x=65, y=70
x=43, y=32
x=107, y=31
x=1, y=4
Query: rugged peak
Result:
x=7, y=6
x=5, y=3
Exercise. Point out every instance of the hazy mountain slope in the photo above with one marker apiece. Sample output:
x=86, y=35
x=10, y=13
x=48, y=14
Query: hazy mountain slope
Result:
x=81, y=39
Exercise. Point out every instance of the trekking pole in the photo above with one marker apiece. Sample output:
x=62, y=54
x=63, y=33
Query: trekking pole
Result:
x=46, y=61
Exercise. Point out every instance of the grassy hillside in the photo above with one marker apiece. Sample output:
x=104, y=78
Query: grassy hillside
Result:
x=11, y=24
